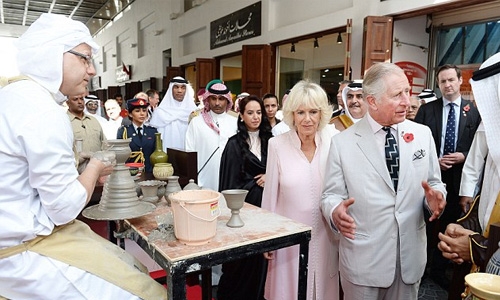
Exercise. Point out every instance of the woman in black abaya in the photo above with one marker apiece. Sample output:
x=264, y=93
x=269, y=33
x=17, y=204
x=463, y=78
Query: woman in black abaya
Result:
x=243, y=166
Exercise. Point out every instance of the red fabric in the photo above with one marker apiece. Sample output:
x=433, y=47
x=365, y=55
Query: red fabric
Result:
x=192, y=292
x=124, y=113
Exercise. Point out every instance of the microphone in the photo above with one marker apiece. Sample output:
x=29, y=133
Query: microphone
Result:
x=83, y=126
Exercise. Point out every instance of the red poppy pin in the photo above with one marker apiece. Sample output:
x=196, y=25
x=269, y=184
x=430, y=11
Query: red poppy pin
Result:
x=408, y=137
x=467, y=108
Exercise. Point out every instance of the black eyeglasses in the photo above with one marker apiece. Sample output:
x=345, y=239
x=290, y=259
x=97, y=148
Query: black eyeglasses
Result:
x=88, y=58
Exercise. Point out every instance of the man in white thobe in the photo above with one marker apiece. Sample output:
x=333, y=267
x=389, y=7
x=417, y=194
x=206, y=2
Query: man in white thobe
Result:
x=172, y=115
x=458, y=243
x=208, y=133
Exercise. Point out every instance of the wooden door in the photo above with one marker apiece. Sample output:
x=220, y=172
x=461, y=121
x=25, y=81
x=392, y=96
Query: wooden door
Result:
x=377, y=41
x=132, y=88
x=171, y=73
x=347, y=59
x=102, y=95
x=206, y=71
x=113, y=90
x=256, y=69
x=152, y=83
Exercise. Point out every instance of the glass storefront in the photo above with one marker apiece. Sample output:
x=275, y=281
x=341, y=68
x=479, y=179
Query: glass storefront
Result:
x=320, y=60
x=467, y=44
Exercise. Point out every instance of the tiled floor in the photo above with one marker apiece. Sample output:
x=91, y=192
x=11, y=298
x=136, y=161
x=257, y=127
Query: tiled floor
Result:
x=431, y=291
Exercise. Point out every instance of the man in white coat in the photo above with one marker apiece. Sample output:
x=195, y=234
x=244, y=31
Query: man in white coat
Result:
x=44, y=252
x=379, y=213
x=208, y=132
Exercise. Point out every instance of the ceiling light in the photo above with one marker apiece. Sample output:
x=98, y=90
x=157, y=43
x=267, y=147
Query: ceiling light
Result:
x=339, y=39
x=292, y=49
x=316, y=45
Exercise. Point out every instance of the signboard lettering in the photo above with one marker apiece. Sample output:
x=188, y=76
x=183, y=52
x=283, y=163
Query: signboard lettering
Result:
x=240, y=25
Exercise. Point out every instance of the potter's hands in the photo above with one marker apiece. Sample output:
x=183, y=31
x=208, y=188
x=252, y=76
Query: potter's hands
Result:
x=103, y=161
x=106, y=157
x=448, y=160
x=342, y=220
x=454, y=243
x=465, y=203
x=84, y=156
x=435, y=200
x=98, y=168
x=260, y=179
x=269, y=255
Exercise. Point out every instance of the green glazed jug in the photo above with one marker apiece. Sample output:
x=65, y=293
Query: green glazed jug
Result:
x=158, y=156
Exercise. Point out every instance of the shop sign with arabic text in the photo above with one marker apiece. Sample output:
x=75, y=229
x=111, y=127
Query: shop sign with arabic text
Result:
x=240, y=25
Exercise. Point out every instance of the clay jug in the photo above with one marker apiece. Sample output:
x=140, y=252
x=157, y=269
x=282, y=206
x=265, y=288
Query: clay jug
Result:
x=172, y=186
x=158, y=156
x=191, y=186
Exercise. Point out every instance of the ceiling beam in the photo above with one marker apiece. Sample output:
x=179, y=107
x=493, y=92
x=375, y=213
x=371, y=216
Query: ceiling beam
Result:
x=26, y=5
x=76, y=8
x=52, y=6
x=2, y=19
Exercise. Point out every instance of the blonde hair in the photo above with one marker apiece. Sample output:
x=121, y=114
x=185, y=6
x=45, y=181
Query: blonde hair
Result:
x=310, y=95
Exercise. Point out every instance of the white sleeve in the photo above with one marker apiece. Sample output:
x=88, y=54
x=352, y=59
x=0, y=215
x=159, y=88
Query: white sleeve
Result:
x=474, y=165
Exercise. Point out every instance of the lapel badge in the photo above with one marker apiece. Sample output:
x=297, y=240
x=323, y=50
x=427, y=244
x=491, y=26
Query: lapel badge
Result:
x=419, y=154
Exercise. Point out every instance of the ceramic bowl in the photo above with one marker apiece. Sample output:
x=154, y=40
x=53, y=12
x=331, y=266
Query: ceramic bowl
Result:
x=484, y=285
x=136, y=169
x=133, y=171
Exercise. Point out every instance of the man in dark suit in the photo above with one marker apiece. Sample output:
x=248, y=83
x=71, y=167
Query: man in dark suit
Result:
x=453, y=122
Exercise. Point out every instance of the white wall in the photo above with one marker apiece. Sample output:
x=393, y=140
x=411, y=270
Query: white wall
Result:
x=411, y=31
x=188, y=34
x=137, y=24
x=12, y=30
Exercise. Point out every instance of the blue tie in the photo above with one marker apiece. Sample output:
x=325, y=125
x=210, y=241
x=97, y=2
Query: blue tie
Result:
x=449, y=138
x=392, y=156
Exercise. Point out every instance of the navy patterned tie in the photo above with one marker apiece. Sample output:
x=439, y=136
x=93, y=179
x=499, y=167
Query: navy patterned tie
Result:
x=449, y=138
x=392, y=156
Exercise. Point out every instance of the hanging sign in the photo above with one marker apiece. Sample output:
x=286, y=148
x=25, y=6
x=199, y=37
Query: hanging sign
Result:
x=416, y=75
x=123, y=73
x=238, y=26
